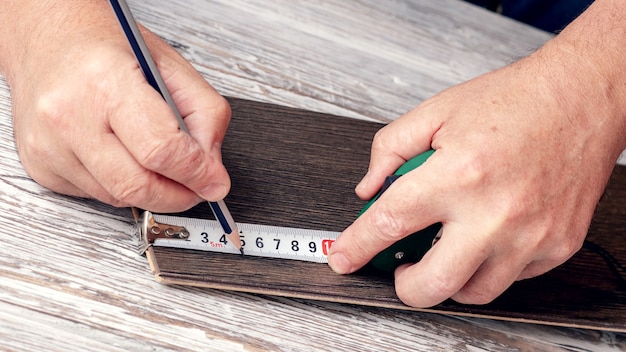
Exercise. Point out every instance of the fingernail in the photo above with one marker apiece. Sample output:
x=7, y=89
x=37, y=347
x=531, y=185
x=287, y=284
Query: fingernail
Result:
x=364, y=180
x=214, y=192
x=339, y=263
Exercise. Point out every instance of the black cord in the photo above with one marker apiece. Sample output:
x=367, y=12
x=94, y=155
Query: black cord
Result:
x=614, y=265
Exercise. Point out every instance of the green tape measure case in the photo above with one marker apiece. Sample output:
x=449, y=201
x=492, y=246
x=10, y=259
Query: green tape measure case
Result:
x=413, y=247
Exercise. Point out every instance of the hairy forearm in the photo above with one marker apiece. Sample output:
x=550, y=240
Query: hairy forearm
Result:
x=36, y=30
x=588, y=72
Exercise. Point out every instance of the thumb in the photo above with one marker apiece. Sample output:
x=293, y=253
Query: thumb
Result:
x=393, y=145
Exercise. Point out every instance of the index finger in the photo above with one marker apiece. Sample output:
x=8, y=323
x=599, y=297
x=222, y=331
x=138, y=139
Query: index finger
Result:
x=406, y=207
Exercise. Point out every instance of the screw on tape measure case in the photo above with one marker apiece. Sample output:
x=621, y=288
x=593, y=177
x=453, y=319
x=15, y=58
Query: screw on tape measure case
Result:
x=297, y=169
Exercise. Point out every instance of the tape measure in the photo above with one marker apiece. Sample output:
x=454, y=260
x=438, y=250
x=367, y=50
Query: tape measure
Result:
x=257, y=240
x=283, y=242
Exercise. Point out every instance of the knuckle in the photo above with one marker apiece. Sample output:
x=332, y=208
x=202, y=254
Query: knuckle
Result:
x=407, y=297
x=177, y=157
x=388, y=225
x=134, y=190
x=52, y=107
x=379, y=142
x=47, y=179
x=469, y=295
x=566, y=248
x=469, y=170
x=194, y=165
x=97, y=66
x=222, y=108
x=440, y=286
x=33, y=154
x=157, y=154
x=378, y=136
x=359, y=251
x=416, y=298
x=549, y=244
x=111, y=200
x=37, y=158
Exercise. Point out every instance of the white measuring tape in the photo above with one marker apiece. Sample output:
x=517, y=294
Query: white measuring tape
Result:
x=257, y=240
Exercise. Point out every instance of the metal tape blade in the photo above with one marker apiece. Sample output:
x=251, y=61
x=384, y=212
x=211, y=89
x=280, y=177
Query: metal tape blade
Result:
x=257, y=240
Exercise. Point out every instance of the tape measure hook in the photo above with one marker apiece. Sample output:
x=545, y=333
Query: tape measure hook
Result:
x=150, y=230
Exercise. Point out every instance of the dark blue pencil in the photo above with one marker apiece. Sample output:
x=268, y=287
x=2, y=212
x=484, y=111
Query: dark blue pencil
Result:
x=149, y=68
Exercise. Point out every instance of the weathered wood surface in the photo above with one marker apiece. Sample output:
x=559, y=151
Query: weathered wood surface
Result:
x=69, y=275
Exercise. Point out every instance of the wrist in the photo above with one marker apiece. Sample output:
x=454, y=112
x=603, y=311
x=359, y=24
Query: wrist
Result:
x=46, y=30
x=586, y=74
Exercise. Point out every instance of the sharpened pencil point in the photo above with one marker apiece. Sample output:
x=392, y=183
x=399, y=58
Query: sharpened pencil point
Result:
x=234, y=238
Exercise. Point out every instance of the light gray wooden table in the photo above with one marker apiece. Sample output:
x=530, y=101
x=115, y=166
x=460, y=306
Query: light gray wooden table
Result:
x=70, y=278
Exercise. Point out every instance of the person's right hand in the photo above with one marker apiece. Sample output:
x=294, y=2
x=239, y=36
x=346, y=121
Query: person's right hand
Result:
x=522, y=156
x=88, y=124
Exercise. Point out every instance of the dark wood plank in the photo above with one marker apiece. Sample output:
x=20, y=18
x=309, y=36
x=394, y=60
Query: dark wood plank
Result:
x=298, y=168
x=292, y=167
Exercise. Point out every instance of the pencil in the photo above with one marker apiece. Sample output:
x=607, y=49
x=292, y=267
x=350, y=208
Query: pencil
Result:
x=151, y=72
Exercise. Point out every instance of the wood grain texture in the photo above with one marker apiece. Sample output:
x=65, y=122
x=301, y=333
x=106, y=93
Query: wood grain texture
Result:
x=69, y=275
x=365, y=59
x=295, y=168
x=287, y=164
